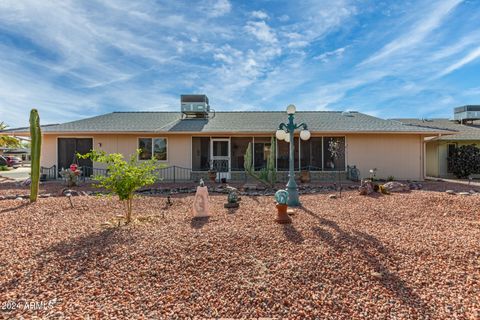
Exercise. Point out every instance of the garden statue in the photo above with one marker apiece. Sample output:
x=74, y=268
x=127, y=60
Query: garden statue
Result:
x=281, y=197
x=232, y=198
x=200, y=203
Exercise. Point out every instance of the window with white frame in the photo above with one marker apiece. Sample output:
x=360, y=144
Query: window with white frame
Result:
x=152, y=148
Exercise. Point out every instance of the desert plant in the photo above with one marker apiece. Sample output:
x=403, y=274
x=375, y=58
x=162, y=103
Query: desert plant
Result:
x=334, y=148
x=36, y=146
x=124, y=177
x=268, y=175
x=382, y=189
x=390, y=178
x=232, y=197
x=464, y=161
x=71, y=175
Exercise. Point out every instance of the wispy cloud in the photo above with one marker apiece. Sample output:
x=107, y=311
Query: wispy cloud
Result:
x=433, y=18
x=219, y=8
x=262, y=31
x=324, y=57
x=471, y=56
x=259, y=14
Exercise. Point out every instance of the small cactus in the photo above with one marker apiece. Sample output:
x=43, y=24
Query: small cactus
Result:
x=232, y=197
x=281, y=196
x=36, y=146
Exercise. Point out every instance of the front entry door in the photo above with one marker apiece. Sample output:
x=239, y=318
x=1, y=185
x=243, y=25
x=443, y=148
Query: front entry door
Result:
x=220, y=156
x=68, y=148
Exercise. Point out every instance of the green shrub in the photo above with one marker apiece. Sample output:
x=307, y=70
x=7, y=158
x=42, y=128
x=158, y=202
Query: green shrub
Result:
x=464, y=161
x=124, y=177
x=390, y=178
x=3, y=168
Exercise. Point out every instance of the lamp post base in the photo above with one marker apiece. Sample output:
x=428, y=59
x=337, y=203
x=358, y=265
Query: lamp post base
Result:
x=293, y=197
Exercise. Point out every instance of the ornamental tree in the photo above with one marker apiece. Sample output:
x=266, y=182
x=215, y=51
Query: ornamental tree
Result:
x=464, y=161
x=123, y=177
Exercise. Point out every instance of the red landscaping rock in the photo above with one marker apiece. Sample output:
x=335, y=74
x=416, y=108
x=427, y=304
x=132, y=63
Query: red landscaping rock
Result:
x=405, y=256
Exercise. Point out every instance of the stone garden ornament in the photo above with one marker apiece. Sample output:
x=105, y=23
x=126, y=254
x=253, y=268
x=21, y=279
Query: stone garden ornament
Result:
x=200, y=203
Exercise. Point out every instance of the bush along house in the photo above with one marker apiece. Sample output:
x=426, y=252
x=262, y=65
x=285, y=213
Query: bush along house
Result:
x=197, y=140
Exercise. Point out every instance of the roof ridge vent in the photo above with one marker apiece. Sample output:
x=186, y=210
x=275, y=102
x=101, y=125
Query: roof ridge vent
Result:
x=347, y=113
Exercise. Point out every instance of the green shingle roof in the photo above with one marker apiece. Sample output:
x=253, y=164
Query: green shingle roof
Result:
x=235, y=122
x=462, y=131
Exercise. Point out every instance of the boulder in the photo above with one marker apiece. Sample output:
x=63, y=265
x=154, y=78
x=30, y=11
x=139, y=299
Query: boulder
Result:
x=450, y=192
x=367, y=187
x=394, y=186
x=464, y=193
x=415, y=186
x=70, y=192
x=332, y=196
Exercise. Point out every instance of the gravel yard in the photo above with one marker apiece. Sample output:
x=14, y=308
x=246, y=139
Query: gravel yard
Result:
x=413, y=255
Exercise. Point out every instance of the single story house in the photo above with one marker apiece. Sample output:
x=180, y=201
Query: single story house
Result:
x=466, y=128
x=23, y=153
x=198, y=138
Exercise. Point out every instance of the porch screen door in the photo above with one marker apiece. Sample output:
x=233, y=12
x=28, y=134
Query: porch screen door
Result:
x=221, y=157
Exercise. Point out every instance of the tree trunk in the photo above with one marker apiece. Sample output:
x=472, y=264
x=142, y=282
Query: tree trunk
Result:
x=128, y=216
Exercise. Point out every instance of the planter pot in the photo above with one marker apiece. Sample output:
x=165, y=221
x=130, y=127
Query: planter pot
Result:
x=282, y=215
x=212, y=175
x=305, y=176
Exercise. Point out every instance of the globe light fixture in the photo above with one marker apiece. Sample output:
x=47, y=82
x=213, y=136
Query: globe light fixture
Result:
x=287, y=138
x=280, y=134
x=304, y=134
x=291, y=109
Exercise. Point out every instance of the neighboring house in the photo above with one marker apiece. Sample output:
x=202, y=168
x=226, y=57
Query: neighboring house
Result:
x=466, y=128
x=198, y=140
x=23, y=153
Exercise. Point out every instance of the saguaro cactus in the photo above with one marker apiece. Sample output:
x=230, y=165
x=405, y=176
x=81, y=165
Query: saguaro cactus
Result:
x=36, y=145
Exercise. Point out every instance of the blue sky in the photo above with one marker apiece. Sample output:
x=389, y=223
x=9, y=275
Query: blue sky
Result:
x=75, y=59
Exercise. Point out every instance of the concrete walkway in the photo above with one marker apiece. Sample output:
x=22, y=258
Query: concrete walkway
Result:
x=18, y=174
x=459, y=181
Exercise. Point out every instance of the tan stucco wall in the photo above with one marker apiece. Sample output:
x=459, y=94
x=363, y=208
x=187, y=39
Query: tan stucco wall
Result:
x=393, y=155
x=48, y=157
x=400, y=156
x=178, y=147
